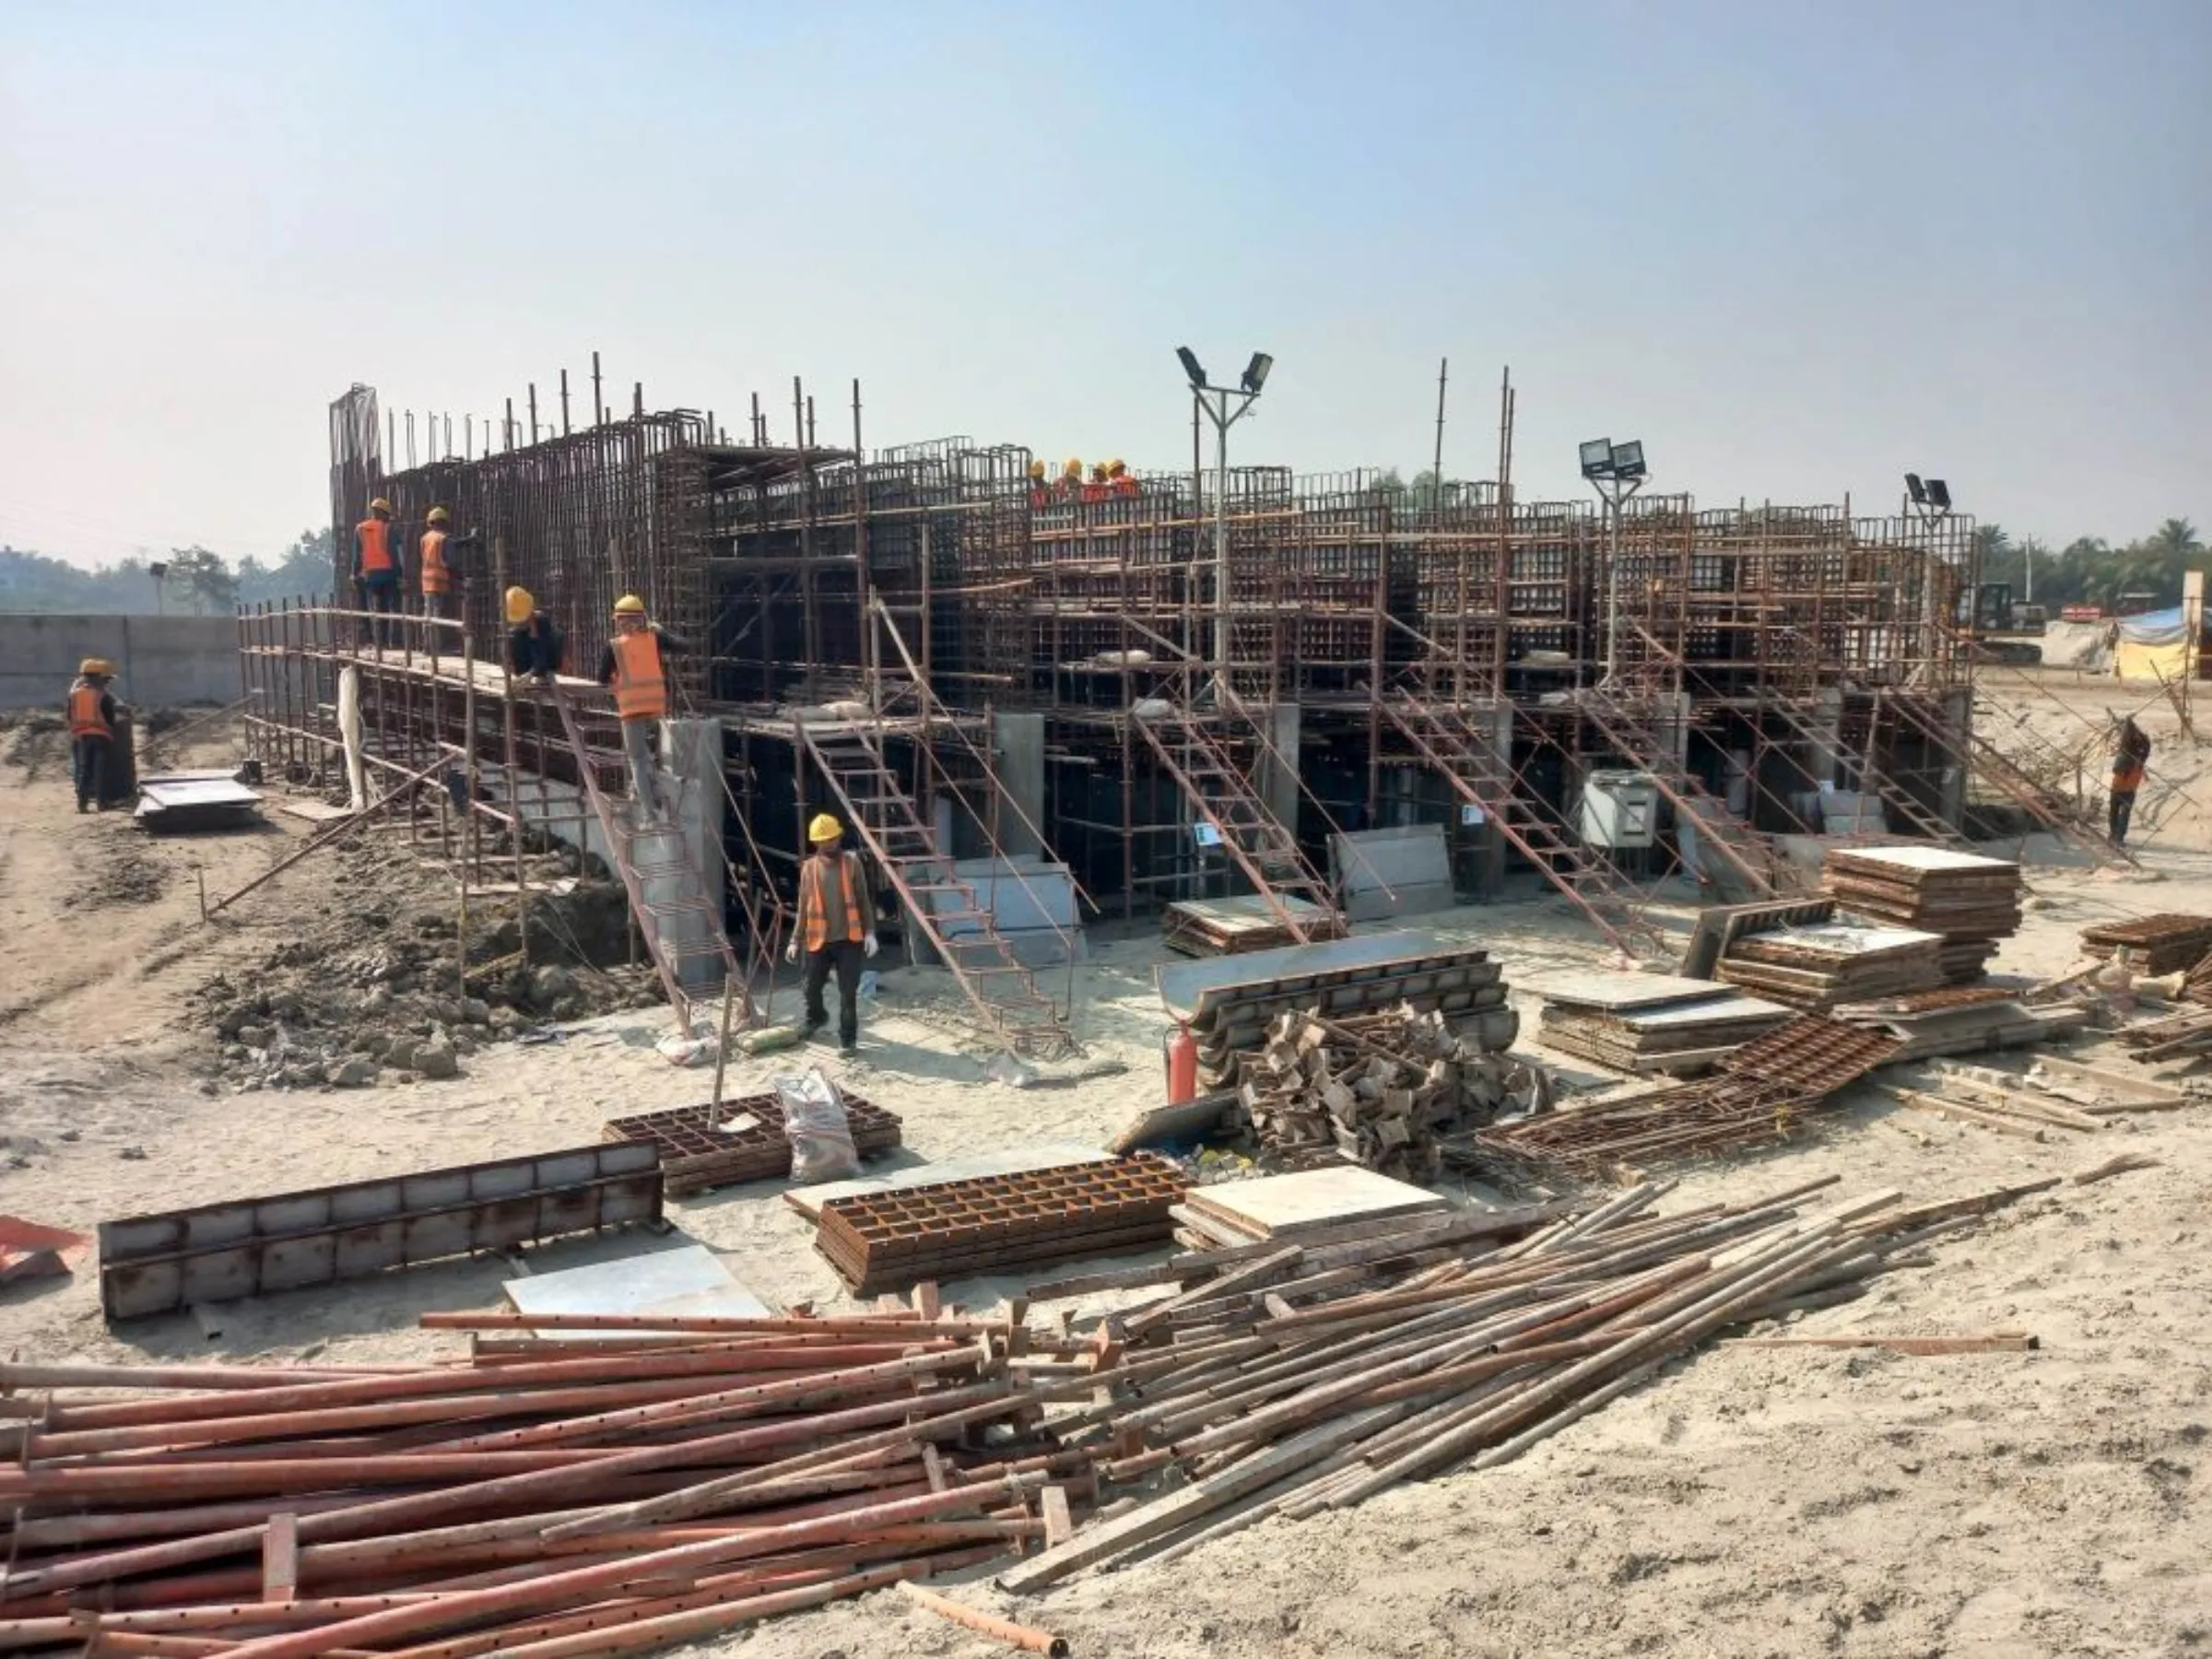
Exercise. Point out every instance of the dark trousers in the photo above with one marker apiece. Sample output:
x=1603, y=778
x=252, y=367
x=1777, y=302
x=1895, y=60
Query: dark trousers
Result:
x=88, y=766
x=382, y=597
x=2123, y=809
x=845, y=957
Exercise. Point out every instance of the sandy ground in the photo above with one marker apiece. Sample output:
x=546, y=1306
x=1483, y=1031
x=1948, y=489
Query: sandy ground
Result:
x=1748, y=1501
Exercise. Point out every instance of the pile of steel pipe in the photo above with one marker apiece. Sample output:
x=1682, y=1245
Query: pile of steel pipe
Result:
x=604, y=1494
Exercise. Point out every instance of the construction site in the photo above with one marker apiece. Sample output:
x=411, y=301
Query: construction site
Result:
x=1448, y=1073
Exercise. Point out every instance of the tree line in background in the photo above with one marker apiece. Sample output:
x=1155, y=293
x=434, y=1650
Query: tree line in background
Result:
x=194, y=581
x=2089, y=570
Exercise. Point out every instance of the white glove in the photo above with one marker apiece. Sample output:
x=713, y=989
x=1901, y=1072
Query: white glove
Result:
x=867, y=946
x=791, y=951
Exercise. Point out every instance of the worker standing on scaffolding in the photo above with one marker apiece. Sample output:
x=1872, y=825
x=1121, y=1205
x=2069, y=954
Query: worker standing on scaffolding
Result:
x=437, y=576
x=836, y=925
x=1041, y=494
x=376, y=573
x=2130, y=756
x=635, y=667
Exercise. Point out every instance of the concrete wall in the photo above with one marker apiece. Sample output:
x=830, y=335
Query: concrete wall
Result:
x=161, y=661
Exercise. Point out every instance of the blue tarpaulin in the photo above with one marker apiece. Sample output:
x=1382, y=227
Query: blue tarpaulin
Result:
x=2154, y=628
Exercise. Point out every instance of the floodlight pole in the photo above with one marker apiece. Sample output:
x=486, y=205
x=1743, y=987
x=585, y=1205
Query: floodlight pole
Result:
x=1214, y=400
x=1613, y=489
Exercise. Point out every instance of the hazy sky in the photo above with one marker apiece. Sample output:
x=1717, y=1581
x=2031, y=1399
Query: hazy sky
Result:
x=1796, y=247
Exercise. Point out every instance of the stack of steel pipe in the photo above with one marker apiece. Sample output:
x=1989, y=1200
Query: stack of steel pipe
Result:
x=604, y=1494
x=1290, y=1384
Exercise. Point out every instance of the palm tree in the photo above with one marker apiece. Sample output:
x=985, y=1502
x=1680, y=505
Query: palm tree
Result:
x=2175, y=540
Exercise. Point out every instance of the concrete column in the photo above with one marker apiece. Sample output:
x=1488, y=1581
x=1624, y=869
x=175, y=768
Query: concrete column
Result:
x=1278, y=771
x=1828, y=748
x=1497, y=724
x=1958, y=720
x=1020, y=741
x=1671, y=726
x=691, y=767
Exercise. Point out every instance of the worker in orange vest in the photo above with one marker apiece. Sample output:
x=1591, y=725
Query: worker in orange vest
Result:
x=1070, y=483
x=436, y=575
x=836, y=925
x=1040, y=493
x=634, y=666
x=1095, y=490
x=2130, y=756
x=377, y=572
x=1119, y=480
x=91, y=731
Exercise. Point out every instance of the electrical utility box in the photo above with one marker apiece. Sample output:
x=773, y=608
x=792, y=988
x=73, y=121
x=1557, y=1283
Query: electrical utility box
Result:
x=1620, y=810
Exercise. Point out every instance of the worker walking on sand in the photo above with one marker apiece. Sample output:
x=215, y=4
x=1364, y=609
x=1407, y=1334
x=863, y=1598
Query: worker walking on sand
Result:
x=836, y=926
x=635, y=667
x=534, y=645
x=91, y=731
x=2130, y=756
x=377, y=571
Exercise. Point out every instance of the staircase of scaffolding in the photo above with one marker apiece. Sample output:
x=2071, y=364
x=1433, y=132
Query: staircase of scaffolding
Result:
x=1719, y=831
x=1457, y=750
x=1257, y=841
x=679, y=920
x=949, y=910
x=1983, y=760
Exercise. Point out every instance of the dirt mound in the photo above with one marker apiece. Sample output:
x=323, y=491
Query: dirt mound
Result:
x=36, y=740
x=120, y=872
x=377, y=982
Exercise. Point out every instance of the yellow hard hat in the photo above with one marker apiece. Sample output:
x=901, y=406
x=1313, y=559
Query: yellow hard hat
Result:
x=824, y=828
x=1114, y=469
x=91, y=666
x=380, y=505
x=1036, y=469
x=519, y=605
x=1098, y=469
x=1071, y=468
x=629, y=604
x=437, y=515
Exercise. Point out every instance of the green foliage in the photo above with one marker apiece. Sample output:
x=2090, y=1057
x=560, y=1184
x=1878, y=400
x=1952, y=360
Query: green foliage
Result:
x=197, y=581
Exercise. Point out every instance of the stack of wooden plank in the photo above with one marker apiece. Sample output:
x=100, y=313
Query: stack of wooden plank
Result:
x=742, y=1140
x=1209, y=927
x=1336, y=1201
x=1649, y=1024
x=1971, y=900
x=899, y=1236
x=1961, y=1019
x=1814, y=969
x=2162, y=944
x=1388, y=1091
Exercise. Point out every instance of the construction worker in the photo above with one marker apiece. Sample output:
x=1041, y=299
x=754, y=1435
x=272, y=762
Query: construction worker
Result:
x=377, y=571
x=634, y=667
x=534, y=645
x=836, y=925
x=1041, y=494
x=1120, y=481
x=2131, y=755
x=1095, y=490
x=436, y=575
x=91, y=731
x=1071, y=478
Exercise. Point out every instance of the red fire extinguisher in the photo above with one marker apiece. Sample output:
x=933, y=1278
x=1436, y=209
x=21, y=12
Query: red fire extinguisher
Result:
x=1182, y=1065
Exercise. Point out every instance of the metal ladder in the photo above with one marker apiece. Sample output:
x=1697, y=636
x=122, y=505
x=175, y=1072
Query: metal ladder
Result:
x=1865, y=779
x=681, y=931
x=1253, y=838
x=949, y=910
x=1463, y=756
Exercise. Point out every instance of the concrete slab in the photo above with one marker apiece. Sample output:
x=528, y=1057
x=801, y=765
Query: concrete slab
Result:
x=686, y=1281
x=1615, y=992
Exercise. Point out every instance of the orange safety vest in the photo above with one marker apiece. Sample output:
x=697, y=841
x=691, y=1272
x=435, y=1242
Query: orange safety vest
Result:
x=436, y=578
x=84, y=713
x=810, y=901
x=2128, y=778
x=1123, y=486
x=376, y=545
x=640, y=683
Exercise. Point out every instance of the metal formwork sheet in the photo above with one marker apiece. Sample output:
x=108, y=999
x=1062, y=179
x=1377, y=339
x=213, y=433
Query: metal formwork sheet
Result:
x=223, y=1251
x=1180, y=984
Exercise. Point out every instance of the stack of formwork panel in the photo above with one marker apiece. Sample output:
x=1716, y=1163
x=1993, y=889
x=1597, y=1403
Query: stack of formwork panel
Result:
x=704, y=1146
x=2165, y=943
x=1971, y=900
x=887, y=1239
x=1814, y=969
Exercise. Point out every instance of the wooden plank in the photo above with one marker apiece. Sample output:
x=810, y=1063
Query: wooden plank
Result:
x=280, y=1558
x=1277, y=1207
x=1059, y=1526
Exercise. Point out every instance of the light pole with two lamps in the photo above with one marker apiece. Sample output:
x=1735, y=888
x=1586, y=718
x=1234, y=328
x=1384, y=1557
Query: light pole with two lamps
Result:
x=1215, y=401
x=1617, y=472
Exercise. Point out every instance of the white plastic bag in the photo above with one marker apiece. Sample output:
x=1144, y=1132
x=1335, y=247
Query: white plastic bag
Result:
x=814, y=1121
